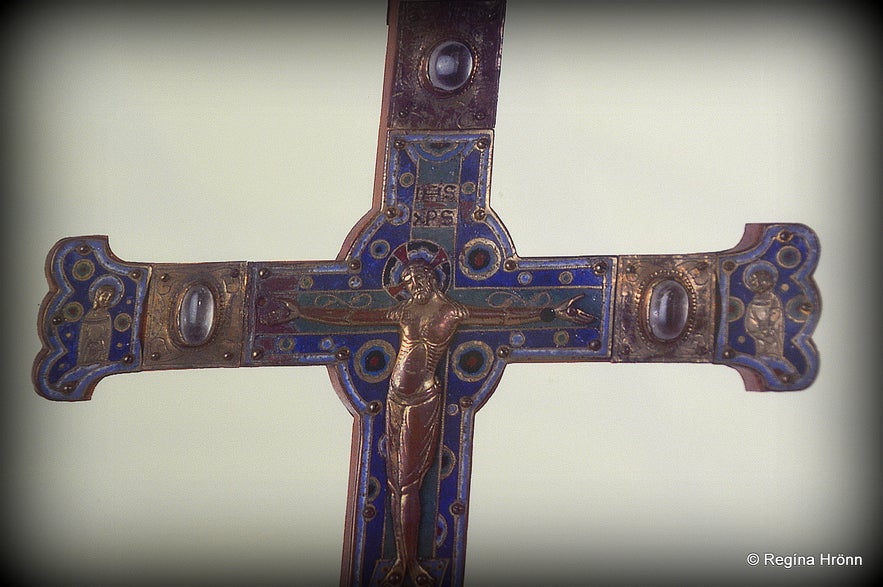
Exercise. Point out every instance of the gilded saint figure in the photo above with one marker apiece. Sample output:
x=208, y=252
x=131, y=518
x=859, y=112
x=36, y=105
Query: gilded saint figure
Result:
x=93, y=345
x=764, y=318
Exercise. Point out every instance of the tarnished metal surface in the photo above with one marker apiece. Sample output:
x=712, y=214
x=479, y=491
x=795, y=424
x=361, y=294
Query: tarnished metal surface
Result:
x=414, y=102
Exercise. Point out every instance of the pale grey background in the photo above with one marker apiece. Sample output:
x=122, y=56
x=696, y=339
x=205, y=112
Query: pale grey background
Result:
x=203, y=135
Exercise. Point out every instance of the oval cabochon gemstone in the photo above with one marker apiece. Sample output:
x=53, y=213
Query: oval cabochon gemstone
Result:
x=196, y=314
x=450, y=65
x=669, y=309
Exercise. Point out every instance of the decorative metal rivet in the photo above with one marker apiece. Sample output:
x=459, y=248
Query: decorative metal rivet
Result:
x=56, y=320
x=504, y=352
x=342, y=354
x=154, y=356
x=369, y=512
x=599, y=268
x=786, y=236
x=399, y=143
x=806, y=308
x=458, y=508
x=135, y=274
x=510, y=265
x=227, y=356
x=482, y=144
x=392, y=212
x=479, y=115
x=374, y=407
x=257, y=353
x=787, y=378
x=594, y=345
x=479, y=214
x=631, y=269
x=68, y=387
x=164, y=277
x=83, y=249
x=128, y=359
x=729, y=354
x=729, y=265
x=263, y=273
x=403, y=113
x=466, y=401
x=354, y=265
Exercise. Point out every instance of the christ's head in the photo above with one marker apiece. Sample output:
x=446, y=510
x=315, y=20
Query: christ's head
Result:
x=420, y=280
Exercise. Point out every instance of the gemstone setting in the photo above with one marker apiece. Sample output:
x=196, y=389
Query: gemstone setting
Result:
x=196, y=315
x=668, y=310
x=450, y=66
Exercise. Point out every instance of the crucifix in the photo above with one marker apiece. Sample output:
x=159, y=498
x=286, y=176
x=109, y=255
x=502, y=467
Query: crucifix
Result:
x=427, y=303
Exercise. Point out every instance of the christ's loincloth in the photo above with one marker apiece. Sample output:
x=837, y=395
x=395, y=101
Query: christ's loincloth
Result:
x=412, y=436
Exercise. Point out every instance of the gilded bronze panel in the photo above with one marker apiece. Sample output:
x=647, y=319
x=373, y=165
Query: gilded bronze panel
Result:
x=641, y=276
x=167, y=344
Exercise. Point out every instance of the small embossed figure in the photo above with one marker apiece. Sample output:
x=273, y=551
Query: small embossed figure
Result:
x=427, y=321
x=93, y=344
x=764, y=319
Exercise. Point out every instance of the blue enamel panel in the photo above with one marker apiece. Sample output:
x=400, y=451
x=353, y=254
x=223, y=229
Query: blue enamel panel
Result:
x=771, y=307
x=434, y=207
x=89, y=334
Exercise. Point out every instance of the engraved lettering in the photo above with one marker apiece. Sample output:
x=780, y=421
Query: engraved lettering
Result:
x=434, y=218
x=437, y=194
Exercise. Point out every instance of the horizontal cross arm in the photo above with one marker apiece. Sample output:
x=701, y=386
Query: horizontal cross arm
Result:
x=753, y=307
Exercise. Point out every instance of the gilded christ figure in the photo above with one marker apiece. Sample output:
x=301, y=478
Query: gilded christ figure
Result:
x=427, y=321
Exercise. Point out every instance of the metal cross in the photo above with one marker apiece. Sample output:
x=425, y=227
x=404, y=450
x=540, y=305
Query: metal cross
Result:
x=427, y=303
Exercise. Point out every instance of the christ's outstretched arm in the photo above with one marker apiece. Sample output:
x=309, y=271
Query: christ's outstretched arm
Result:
x=566, y=310
x=291, y=310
